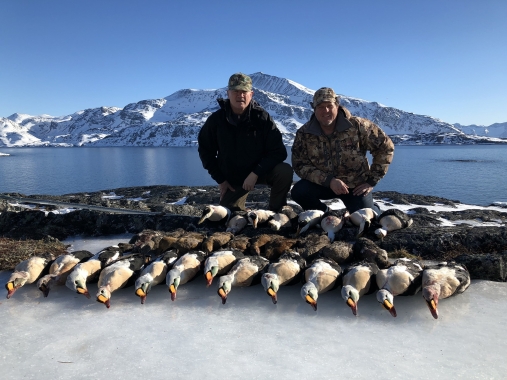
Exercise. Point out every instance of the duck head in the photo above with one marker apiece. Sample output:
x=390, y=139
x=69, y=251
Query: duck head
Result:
x=44, y=284
x=224, y=287
x=310, y=294
x=76, y=281
x=16, y=281
x=210, y=269
x=206, y=213
x=380, y=233
x=253, y=219
x=430, y=294
x=271, y=284
x=351, y=297
x=104, y=295
x=172, y=280
x=143, y=286
x=385, y=298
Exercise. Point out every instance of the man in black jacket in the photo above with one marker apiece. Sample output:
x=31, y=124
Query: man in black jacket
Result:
x=240, y=146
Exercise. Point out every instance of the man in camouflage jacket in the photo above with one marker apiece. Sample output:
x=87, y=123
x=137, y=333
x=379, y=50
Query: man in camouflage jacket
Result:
x=240, y=146
x=329, y=155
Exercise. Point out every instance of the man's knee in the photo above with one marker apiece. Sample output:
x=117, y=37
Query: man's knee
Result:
x=299, y=191
x=282, y=173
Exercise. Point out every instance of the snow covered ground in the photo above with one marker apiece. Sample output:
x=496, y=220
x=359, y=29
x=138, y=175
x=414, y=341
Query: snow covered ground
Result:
x=68, y=336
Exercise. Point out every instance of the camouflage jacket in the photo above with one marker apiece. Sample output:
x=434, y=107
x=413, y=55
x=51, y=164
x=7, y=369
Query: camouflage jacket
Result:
x=318, y=158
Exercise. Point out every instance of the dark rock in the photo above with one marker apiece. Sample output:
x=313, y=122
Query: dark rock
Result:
x=492, y=267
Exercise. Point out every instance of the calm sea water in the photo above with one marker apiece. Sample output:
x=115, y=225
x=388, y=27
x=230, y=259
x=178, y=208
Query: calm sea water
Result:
x=470, y=174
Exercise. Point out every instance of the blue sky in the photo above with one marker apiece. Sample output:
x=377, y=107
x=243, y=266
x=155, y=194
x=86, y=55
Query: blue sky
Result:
x=445, y=58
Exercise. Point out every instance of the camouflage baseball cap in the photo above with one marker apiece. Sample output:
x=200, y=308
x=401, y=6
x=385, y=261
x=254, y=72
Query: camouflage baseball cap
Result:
x=241, y=82
x=324, y=94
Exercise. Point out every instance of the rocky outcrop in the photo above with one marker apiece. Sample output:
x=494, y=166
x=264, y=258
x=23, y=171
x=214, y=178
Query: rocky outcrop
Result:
x=476, y=237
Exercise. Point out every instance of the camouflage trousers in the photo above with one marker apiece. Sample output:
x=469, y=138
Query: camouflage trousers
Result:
x=279, y=180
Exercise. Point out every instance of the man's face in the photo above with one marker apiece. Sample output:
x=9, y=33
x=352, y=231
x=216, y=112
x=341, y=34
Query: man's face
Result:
x=239, y=100
x=326, y=113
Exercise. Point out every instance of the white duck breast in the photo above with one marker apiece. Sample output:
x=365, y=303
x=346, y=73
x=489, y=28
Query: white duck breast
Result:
x=219, y=263
x=154, y=274
x=307, y=219
x=322, y=276
x=403, y=278
x=363, y=218
x=184, y=270
x=392, y=220
x=215, y=214
x=245, y=272
x=358, y=280
x=278, y=221
x=27, y=272
x=117, y=276
x=236, y=224
x=283, y=272
x=442, y=281
x=256, y=217
x=332, y=222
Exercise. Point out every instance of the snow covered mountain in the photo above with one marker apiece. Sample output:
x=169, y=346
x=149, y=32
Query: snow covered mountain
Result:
x=177, y=119
x=494, y=130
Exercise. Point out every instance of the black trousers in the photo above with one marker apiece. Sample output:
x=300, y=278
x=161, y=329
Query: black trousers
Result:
x=279, y=180
x=308, y=195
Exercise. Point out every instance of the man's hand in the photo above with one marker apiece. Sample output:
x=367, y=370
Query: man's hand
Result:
x=338, y=186
x=363, y=189
x=250, y=181
x=223, y=187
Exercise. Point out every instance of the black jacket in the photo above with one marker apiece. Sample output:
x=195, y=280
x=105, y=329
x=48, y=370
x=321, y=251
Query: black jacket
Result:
x=231, y=152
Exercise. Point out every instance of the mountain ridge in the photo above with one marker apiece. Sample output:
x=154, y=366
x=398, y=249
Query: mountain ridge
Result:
x=176, y=119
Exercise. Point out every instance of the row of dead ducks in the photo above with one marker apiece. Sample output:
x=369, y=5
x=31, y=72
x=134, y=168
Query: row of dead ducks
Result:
x=233, y=269
x=330, y=221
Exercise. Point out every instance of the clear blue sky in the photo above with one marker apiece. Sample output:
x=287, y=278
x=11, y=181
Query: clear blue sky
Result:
x=443, y=58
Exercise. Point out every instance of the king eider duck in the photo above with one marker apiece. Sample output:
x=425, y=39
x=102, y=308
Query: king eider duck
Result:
x=307, y=219
x=246, y=272
x=256, y=217
x=333, y=221
x=28, y=271
x=213, y=213
x=322, y=275
x=359, y=279
x=154, y=274
x=237, y=222
x=392, y=220
x=60, y=270
x=219, y=263
x=442, y=281
x=89, y=271
x=403, y=278
x=286, y=271
x=282, y=219
x=117, y=275
x=184, y=270
x=363, y=218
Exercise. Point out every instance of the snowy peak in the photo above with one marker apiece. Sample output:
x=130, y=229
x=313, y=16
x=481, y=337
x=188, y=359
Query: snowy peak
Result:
x=176, y=120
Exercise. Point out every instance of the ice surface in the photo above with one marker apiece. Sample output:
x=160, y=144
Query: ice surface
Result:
x=68, y=336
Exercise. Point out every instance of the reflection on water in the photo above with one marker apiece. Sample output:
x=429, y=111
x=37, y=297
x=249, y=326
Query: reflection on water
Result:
x=471, y=174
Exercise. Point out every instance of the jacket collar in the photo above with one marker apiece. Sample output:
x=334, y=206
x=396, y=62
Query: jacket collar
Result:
x=342, y=123
x=225, y=104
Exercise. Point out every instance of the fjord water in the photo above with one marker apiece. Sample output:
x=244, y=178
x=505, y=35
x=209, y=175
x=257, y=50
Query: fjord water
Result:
x=474, y=174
